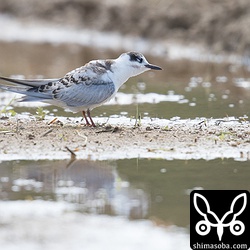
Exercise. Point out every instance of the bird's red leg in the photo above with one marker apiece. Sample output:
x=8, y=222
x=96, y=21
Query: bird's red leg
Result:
x=92, y=122
x=86, y=119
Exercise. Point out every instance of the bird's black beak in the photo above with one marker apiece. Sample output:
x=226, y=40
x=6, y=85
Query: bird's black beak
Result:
x=151, y=66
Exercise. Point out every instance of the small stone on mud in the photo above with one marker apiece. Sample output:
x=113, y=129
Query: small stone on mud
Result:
x=149, y=128
x=31, y=137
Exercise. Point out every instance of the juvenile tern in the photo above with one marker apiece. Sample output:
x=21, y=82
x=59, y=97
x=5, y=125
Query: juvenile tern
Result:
x=84, y=88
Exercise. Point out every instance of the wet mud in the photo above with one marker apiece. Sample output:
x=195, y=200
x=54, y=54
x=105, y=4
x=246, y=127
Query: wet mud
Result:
x=120, y=138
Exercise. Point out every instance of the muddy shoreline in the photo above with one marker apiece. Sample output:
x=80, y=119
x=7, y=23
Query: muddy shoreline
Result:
x=119, y=138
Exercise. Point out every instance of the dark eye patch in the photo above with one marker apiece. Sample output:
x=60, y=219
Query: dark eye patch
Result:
x=135, y=57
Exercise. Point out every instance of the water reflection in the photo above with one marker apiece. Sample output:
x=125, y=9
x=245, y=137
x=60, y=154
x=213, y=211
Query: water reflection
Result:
x=136, y=189
x=94, y=187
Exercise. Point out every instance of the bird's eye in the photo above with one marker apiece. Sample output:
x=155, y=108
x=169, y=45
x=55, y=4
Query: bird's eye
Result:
x=139, y=59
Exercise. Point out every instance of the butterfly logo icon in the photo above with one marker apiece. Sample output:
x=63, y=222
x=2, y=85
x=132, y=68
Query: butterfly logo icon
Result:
x=236, y=227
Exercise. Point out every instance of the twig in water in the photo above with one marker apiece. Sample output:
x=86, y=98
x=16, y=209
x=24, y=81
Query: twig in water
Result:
x=72, y=158
x=73, y=155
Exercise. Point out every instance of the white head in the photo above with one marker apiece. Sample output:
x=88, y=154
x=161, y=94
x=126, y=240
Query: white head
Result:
x=135, y=63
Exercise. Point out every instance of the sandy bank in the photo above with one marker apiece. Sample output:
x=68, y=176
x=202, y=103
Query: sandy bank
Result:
x=23, y=137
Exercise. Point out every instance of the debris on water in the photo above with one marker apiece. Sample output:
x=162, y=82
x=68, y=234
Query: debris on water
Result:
x=73, y=155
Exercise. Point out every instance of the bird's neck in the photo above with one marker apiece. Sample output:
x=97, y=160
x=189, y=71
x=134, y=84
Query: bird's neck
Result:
x=121, y=73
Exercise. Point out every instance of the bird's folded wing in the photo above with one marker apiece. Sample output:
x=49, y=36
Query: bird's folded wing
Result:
x=85, y=95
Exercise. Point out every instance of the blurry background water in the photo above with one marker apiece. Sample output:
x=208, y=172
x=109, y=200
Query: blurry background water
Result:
x=203, y=48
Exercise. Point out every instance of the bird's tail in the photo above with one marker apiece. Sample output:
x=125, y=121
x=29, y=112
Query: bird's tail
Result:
x=29, y=88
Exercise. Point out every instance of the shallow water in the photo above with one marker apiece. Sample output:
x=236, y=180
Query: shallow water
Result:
x=136, y=188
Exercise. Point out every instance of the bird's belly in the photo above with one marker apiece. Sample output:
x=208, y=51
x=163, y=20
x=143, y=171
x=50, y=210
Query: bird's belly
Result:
x=83, y=107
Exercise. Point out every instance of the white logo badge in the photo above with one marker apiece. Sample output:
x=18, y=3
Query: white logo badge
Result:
x=203, y=227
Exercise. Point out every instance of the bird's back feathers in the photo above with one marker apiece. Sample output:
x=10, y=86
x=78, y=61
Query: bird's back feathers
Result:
x=85, y=87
